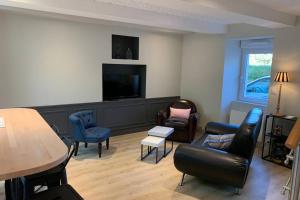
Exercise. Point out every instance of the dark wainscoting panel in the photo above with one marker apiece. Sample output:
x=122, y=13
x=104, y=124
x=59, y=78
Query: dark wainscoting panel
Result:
x=123, y=116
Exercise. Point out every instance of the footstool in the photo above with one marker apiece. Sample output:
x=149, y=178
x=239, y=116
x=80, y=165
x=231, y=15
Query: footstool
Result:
x=163, y=132
x=153, y=143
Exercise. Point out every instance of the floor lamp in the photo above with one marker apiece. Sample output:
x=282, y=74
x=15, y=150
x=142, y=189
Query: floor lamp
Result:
x=293, y=143
x=280, y=77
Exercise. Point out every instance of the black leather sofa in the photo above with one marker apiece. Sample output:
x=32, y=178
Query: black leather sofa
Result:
x=229, y=166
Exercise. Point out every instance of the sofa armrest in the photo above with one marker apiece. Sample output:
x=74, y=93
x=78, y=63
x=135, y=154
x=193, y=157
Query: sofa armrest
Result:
x=220, y=128
x=211, y=164
x=193, y=123
x=194, y=117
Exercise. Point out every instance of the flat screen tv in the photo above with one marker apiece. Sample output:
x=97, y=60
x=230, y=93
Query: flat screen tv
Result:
x=123, y=81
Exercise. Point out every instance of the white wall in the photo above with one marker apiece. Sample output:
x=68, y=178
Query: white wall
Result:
x=51, y=61
x=286, y=57
x=231, y=77
x=209, y=60
x=202, y=73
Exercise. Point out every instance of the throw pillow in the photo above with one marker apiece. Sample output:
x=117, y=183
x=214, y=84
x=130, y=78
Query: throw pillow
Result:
x=180, y=113
x=219, y=141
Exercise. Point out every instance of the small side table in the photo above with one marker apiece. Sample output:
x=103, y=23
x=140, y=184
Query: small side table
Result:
x=163, y=132
x=154, y=142
x=275, y=132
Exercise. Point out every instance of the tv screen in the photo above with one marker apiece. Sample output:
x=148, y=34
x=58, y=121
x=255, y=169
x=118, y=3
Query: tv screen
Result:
x=120, y=86
x=123, y=81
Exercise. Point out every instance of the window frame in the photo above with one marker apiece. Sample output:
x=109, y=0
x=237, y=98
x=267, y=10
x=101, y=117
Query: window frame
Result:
x=243, y=74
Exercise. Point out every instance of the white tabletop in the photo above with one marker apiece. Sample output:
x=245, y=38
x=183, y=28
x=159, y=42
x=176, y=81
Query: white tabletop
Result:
x=161, y=131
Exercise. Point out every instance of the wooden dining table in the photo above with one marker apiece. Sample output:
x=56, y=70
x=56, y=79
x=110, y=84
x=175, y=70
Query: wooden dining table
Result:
x=28, y=145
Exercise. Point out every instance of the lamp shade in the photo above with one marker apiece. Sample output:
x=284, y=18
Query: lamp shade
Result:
x=281, y=77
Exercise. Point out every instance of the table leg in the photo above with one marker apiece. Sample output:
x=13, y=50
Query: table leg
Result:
x=165, y=147
x=13, y=189
x=156, y=156
x=142, y=151
x=172, y=142
x=8, y=190
x=151, y=150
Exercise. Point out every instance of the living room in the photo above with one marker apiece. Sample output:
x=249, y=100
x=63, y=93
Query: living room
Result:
x=61, y=58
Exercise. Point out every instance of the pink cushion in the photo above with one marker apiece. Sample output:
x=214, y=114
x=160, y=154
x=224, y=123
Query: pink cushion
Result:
x=180, y=113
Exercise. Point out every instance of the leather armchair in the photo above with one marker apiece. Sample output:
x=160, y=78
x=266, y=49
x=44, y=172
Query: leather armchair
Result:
x=184, y=130
x=229, y=166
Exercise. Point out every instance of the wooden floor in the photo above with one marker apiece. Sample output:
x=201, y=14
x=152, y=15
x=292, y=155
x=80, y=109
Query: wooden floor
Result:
x=120, y=174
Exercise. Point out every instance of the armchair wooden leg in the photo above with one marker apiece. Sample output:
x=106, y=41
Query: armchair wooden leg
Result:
x=99, y=149
x=86, y=145
x=76, y=148
x=182, y=179
x=107, y=143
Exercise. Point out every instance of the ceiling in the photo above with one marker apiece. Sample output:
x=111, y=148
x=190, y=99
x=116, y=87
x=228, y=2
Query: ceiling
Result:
x=287, y=6
x=203, y=16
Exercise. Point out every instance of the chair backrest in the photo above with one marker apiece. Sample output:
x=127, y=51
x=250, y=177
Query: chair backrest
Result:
x=67, y=142
x=182, y=104
x=81, y=121
x=71, y=149
x=86, y=117
x=244, y=142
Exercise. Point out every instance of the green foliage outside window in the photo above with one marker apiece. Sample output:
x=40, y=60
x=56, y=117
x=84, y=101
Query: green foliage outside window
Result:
x=259, y=66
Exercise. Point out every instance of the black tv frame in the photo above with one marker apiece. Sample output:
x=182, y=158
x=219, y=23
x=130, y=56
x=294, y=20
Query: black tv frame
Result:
x=124, y=69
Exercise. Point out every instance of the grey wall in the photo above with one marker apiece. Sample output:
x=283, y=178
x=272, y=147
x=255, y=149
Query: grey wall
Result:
x=124, y=116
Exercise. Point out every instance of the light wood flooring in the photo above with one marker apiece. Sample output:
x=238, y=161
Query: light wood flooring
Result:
x=120, y=174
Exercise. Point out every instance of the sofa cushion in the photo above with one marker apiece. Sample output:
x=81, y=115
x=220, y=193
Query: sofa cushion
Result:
x=180, y=113
x=218, y=141
x=176, y=122
x=96, y=134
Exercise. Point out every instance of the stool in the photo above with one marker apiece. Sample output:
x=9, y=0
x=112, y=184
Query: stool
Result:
x=152, y=141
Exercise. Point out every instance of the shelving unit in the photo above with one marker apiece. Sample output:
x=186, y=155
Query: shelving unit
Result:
x=275, y=132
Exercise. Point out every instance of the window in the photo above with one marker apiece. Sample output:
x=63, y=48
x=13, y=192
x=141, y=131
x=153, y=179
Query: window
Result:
x=255, y=74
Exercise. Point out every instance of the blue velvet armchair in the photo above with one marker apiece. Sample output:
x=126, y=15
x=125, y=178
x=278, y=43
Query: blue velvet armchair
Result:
x=86, y=130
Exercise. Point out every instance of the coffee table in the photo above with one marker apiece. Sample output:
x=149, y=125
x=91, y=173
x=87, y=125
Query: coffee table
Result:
x=162, y=132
